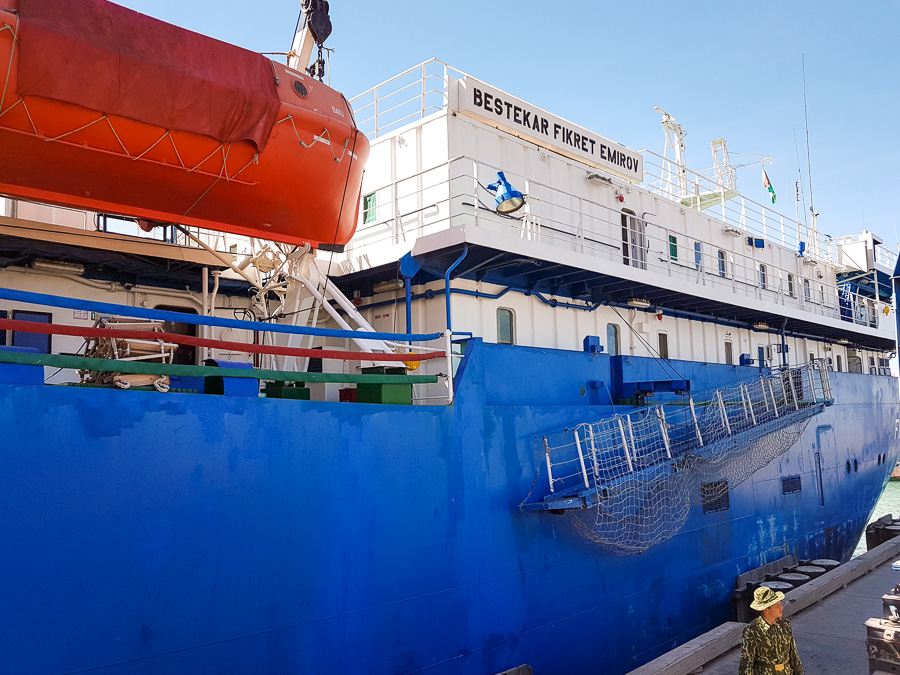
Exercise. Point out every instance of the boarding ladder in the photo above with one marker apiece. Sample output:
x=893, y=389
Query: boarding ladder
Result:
x=740, y=424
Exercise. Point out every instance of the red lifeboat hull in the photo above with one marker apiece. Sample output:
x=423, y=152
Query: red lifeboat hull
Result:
x=297, y=180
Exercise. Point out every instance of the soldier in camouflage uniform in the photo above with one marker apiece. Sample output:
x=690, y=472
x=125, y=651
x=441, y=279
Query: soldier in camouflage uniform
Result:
x=768, y=647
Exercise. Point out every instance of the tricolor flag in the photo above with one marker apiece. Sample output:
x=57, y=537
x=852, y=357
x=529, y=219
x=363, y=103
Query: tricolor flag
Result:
x=767, y=184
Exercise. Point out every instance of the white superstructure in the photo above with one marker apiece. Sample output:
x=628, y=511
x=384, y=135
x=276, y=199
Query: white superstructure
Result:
x=655, y=258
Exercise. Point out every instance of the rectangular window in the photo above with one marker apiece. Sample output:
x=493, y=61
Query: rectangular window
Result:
x=673, y=247
x=35, y=340
x=663, y=346
x=723, y=263
x=790, y=485
x=612, y=339
x=729, y=353
x=698, y=256
x=840, y=365
x=506, y=326
x=369, y=208
x=634, y=241
x=714, y=496
x=3, y=315
x=761, y=355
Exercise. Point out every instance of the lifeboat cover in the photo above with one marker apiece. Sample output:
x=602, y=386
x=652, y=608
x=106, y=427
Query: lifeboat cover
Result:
x=113, y=59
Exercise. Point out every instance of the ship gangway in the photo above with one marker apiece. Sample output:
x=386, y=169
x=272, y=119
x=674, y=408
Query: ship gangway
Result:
x=640, y=472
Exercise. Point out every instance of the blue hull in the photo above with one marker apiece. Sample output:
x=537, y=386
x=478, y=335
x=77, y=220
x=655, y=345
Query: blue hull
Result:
x=178, y=533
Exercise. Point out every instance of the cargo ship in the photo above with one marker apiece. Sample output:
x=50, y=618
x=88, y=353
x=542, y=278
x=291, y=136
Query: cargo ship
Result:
x=518, y=395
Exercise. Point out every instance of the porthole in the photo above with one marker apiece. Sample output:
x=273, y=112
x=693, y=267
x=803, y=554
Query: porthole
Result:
x=848, y=466
x=855, y=465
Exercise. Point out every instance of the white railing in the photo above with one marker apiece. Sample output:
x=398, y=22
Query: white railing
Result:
x=424, y=89
x=90, y=221
x=883, y=256
x=591, y=454
x=405, y=98
x=453, y=195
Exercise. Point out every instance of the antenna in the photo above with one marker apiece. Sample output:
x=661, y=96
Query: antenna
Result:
x=801, y=194
x=806, y=119
x=674, y=171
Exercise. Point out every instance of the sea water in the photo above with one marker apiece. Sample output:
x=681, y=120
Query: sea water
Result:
x=889, y=503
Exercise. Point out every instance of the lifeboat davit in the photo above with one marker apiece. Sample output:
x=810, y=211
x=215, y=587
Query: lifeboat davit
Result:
x=109, y=110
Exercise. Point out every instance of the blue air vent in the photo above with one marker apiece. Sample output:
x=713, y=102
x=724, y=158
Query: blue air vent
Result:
x=714, y=496
x=790, y=485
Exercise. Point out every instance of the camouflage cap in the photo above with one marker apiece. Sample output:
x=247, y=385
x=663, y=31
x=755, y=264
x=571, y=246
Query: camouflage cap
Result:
x=764, y=597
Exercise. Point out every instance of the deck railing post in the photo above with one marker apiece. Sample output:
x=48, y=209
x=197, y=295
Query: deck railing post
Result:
x=774, y=401
x=746, y=390
x=581, y=459
x=631, y=437
x=661, y=416
x=625, y=444
x=793, y=390
x=594, y=462
x=723, y=412
x=696, y=425
x=549, y=466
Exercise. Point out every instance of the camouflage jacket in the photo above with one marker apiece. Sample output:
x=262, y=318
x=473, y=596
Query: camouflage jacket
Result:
x=769, y=650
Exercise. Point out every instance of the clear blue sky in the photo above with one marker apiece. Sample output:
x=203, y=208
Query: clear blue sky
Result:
x=723, y=70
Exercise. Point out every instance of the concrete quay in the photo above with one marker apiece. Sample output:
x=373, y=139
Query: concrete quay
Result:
x=827, y=615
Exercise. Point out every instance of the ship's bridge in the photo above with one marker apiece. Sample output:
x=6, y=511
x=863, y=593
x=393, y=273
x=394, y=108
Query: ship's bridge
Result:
x=602, y=224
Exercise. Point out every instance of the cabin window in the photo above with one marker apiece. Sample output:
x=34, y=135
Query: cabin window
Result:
x=790, y=288
x=663, y=345
x=634, y=240
x=812, y=357
x=723, y=264
x=698, y=256
x=763, y=277
x=729, y=353
x=506, y=326
x=872, y=370
x=807, y=294
x=821, y=293
x=840, y=365
x=673, y=247
x=369, y=208
x=612, y=339
x=761, y=355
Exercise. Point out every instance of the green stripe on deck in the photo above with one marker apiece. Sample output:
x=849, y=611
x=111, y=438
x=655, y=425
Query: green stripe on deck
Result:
x=144, y=368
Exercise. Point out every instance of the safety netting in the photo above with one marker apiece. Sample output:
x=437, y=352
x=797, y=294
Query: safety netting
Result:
x=634, y=477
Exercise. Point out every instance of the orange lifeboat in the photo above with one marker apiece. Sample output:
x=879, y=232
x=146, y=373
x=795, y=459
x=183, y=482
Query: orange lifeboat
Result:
x=109, y=110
